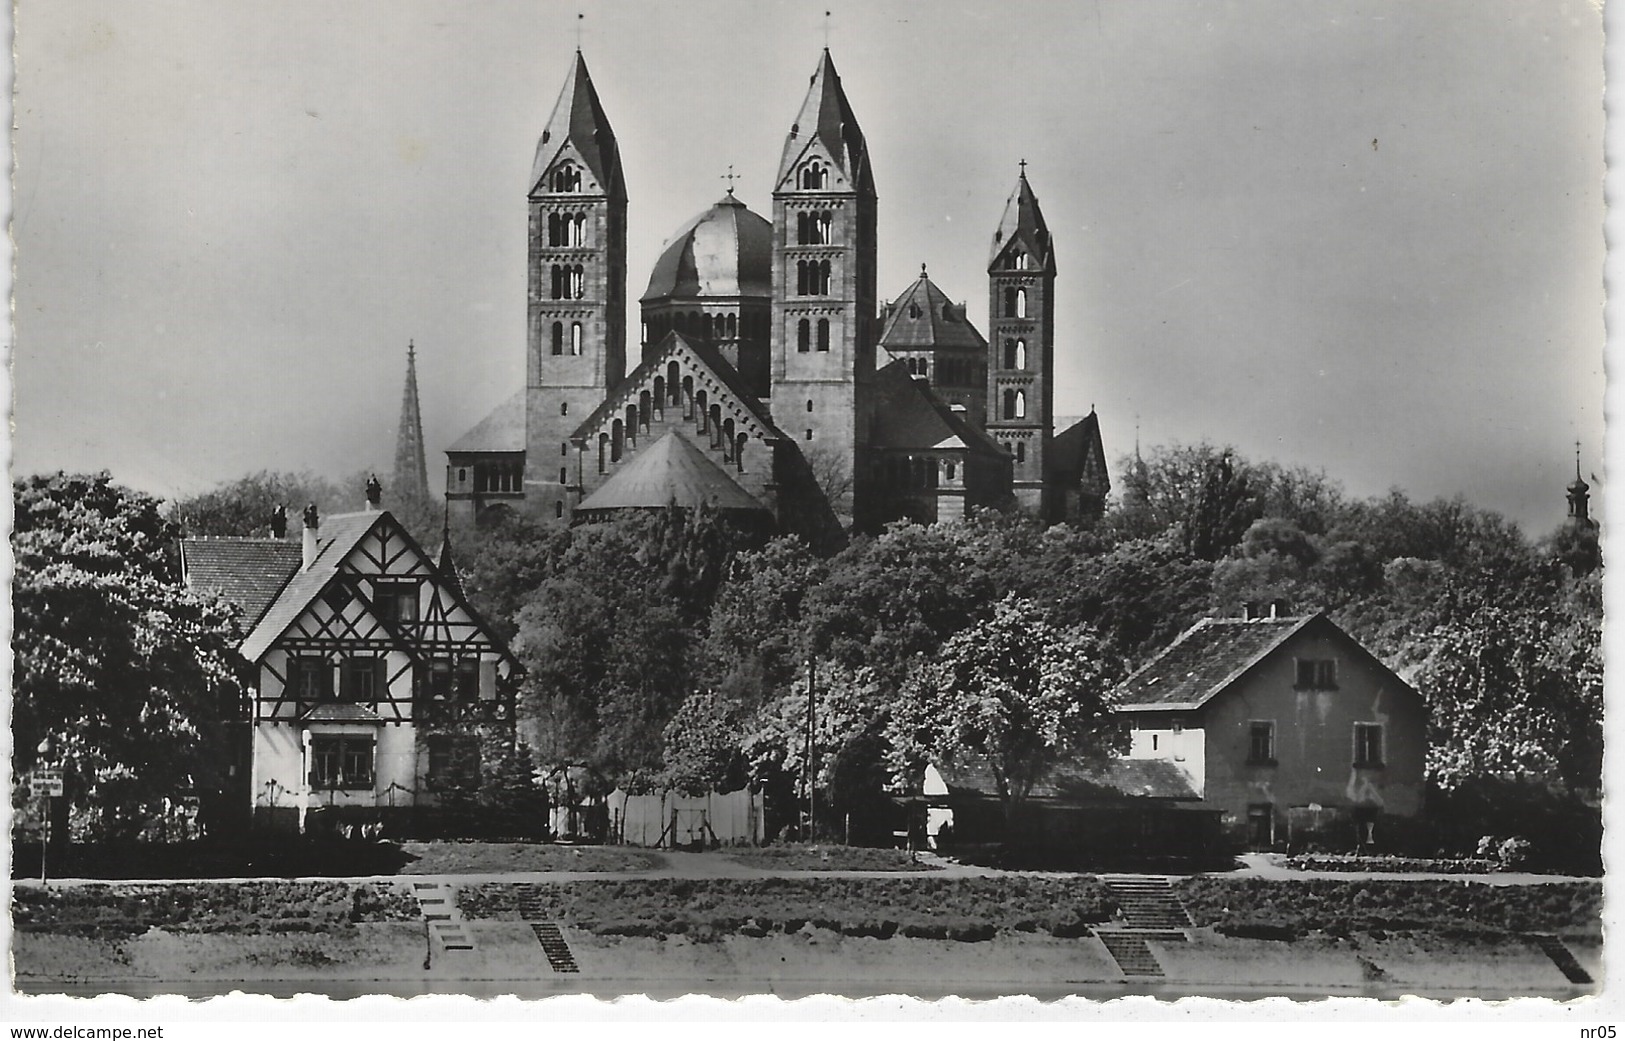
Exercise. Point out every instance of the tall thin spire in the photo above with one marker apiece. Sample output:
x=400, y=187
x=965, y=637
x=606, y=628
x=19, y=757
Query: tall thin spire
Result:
x=411, y=482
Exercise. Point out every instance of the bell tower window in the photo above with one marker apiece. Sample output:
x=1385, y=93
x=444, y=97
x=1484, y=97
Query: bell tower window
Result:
x=814, y=176
x=575, y=337
x=1021, y=303
x=566, y=179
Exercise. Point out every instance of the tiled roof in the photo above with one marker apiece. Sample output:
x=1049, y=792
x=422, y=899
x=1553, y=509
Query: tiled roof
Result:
x=727, y=251
x=671, y=471
x=1207, y=658
x=924, y=318
x=337, y=536
x=908, y=415
x=1074, y=781
x=501, y=431
x=247, y=572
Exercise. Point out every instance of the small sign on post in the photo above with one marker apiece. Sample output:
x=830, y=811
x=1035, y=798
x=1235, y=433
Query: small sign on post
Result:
x=46, y=783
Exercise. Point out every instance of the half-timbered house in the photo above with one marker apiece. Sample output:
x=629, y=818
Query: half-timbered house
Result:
x=376, y=684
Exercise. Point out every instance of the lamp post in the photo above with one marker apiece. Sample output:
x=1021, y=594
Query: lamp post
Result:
x=46, y=752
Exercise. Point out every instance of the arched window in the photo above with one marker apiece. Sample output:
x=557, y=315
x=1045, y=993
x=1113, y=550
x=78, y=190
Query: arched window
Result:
x=1021, y=303
x=801, y=278
x=913, y=310
x=558, y=509
x=740, y=441
x=673, y=383
x=575, y=337
x=1021, y=451
x=603, y=452
x=809, y=405
x=1021, y=404
x=950, y=471
x=731, y=327
x=803, y=229
x=632, y=424
x=558, y=337
x=727, y=440
x=1017, y=260
x=564, y=448
x=566, y=179
x=660, y=394
x=814, y=176
x=578, y=230
x=578, y=283
x=699, y=402
x=617, y=438
x=803, y=336
x=823, y=334
x=1010, y=354
x=688, y=396
x=1020, y=355
x=645, y=410
x=564, y=408
x=823, y=278
x=564, y=475
x=823, y=227
x=1009, y=411
x=1009, y=302
x=555, y=236
x=716, y=424
x=558, y=282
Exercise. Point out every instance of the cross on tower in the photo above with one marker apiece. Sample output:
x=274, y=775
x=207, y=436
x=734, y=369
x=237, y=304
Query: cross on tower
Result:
x=579, y=19
x=826, y=30
x=1023, y=165
x=729, y=177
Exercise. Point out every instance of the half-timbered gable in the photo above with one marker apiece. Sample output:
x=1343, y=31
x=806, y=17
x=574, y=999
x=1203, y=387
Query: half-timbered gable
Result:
x=370, y=665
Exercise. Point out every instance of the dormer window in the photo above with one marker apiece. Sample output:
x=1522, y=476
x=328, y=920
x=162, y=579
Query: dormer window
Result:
x=914, y=310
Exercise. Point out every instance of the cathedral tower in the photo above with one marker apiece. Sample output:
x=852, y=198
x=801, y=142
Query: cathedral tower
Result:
x=824, y=302
x=577, y=299
x=1021, y=346
x=411, y=482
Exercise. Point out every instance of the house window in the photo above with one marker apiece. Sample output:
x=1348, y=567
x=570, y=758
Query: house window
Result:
x=310, y=679
x=443, y=680
x=1317, y=674
x=341, y=762
x=362, y=680
x=454, y=761
x=1368, y=744
x=396, y=601
x=1261, y=743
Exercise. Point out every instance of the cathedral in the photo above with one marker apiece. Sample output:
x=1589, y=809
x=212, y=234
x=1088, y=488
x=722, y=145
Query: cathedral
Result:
x=769, y=381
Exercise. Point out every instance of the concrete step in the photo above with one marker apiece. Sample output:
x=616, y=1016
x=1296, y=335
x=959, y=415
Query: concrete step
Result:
x=1131, y=953
x=554, y=946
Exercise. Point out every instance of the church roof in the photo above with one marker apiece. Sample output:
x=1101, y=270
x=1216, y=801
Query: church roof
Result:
x=1023, y=222
x=908, y=415
x=1077, y=452
x=578, y=122
x=672, y=471
x=248, y=572
x=727, y=251
x=924, y=318
x=501, y=431
x=655, y=362
x=826, y=119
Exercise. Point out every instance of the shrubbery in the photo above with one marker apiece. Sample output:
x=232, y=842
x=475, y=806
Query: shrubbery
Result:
x=960, y=909
x=1355, y=862
x=207, y=907
x=1274, y=909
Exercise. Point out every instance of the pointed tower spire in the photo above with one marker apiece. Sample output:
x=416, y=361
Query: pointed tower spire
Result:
x=1022, y=228
x=826, y=125
x=579, y=130
x=1579, y=494
x=411, y=483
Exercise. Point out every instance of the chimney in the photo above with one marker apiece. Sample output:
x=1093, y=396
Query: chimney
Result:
x=279, y=522
x=1280, y=609
x=1248, y=612
x=375, y=493
x=312, y=522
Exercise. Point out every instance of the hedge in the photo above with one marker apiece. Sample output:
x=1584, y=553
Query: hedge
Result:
x=705, y=909
x=240, y=907
x=1279, y=909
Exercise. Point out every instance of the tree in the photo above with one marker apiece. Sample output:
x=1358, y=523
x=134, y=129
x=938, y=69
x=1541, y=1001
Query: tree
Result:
x=1015, y=691
x=130, y=675
x=244, y=506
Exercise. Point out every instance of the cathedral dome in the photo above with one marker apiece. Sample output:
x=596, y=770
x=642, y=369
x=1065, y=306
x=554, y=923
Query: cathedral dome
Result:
x=725, y=252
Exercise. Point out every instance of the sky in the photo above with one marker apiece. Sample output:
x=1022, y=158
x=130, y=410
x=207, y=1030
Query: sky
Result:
x=1358, y=236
